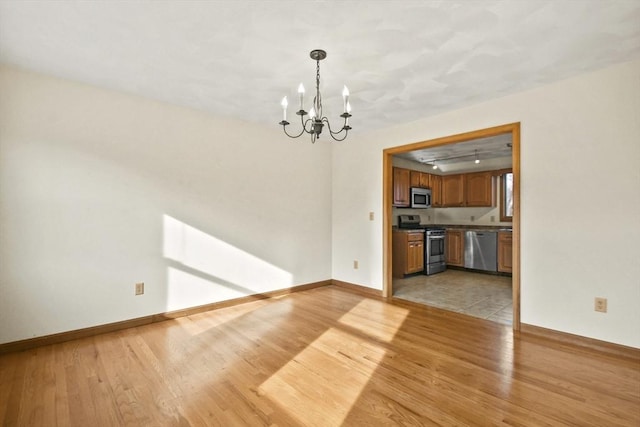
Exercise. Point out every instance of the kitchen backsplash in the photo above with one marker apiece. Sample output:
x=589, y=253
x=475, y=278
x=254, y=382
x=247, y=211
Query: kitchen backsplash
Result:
x=458, y=216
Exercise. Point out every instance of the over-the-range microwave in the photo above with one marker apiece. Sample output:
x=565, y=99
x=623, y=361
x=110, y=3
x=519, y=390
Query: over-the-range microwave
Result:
x=420, y=198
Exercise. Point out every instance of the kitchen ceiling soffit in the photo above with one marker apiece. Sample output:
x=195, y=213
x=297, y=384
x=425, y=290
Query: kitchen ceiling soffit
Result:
x=491, y=153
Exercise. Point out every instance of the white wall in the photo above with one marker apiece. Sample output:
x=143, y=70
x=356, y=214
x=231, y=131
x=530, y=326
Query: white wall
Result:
x=580, y=195
x=100, y=190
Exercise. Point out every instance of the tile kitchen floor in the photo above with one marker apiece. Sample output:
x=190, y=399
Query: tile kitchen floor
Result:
x=476, y=294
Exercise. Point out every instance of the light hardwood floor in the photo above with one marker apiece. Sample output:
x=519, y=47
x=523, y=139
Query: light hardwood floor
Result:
x=324, y=357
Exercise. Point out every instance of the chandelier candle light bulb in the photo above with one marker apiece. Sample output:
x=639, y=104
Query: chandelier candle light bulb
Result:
x=316, y=122
x=284, y=104
x=345, y=98
x=301, y=93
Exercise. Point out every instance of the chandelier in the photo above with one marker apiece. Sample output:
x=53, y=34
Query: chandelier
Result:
x=314, y=124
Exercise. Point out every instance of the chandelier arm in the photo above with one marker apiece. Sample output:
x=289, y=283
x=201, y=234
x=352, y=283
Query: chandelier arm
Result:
x=284, y=127
x=346, y=132
x=304, y=126
x=344, y=129
x=303, y=122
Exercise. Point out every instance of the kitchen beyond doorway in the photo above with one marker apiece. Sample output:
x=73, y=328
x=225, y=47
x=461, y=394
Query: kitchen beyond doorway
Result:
x=388, y=194
x=487, y=296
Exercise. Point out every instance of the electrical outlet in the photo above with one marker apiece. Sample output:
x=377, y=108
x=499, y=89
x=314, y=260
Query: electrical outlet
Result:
x=355, y=264
x=140, y=288
x=370, y=216
x=493, y=218
x=473, y=218
x=601, y=305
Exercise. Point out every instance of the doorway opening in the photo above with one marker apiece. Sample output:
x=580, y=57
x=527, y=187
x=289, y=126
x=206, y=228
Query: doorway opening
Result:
x=513, y=130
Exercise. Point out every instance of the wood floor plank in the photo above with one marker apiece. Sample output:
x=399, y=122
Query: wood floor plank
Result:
x=8, y=368
x=322, y=357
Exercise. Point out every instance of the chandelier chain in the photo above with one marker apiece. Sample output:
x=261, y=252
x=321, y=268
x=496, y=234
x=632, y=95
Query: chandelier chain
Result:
x=319, y=99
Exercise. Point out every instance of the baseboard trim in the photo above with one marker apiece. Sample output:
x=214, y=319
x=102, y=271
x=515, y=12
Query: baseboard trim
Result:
x=359, y=289
x=613, y=349
x=617, y=350
x=30, y=343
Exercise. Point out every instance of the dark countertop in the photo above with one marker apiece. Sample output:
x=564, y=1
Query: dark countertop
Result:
x=466, y=227
x=469, y=227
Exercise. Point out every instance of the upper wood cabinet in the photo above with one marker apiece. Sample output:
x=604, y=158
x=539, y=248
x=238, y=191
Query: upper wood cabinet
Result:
x=453, y=193
x=419, y=179
x=479, y=189
x=435, y=183
x=401, y=181
x=476, y=189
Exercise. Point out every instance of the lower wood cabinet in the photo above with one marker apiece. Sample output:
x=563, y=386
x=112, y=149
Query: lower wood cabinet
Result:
x=505, y=248
x=454, y=246
x=408, y=253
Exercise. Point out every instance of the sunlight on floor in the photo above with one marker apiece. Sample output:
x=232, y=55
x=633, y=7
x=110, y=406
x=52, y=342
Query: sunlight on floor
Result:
x=211, y=270
x=360, y=318
x=329, y=361
x=201, y=323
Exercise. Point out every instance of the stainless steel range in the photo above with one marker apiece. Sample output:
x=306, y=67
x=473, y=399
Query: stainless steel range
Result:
x=434, y=243
x=434, y=252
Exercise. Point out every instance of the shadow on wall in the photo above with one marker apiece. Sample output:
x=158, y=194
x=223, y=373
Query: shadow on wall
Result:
x=203, y=269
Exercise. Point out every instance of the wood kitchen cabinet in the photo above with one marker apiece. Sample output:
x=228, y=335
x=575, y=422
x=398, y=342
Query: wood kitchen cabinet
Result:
x=476, y=189
x=453, y=194
x=479, y=189
x=401, y=184
x=408, y=253
x=435, y=183
x=505, y=247
x=419, y=179
x=454, y=247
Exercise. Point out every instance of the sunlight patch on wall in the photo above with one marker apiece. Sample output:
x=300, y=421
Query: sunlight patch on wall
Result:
x=186, y=290
x=323, y=382
x=214, y=270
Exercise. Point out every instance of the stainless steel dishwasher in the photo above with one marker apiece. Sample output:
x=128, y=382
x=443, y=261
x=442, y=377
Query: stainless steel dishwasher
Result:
x=481, y=250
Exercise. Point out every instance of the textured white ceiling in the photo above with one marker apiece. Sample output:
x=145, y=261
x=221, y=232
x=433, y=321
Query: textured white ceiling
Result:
x=402, y=60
